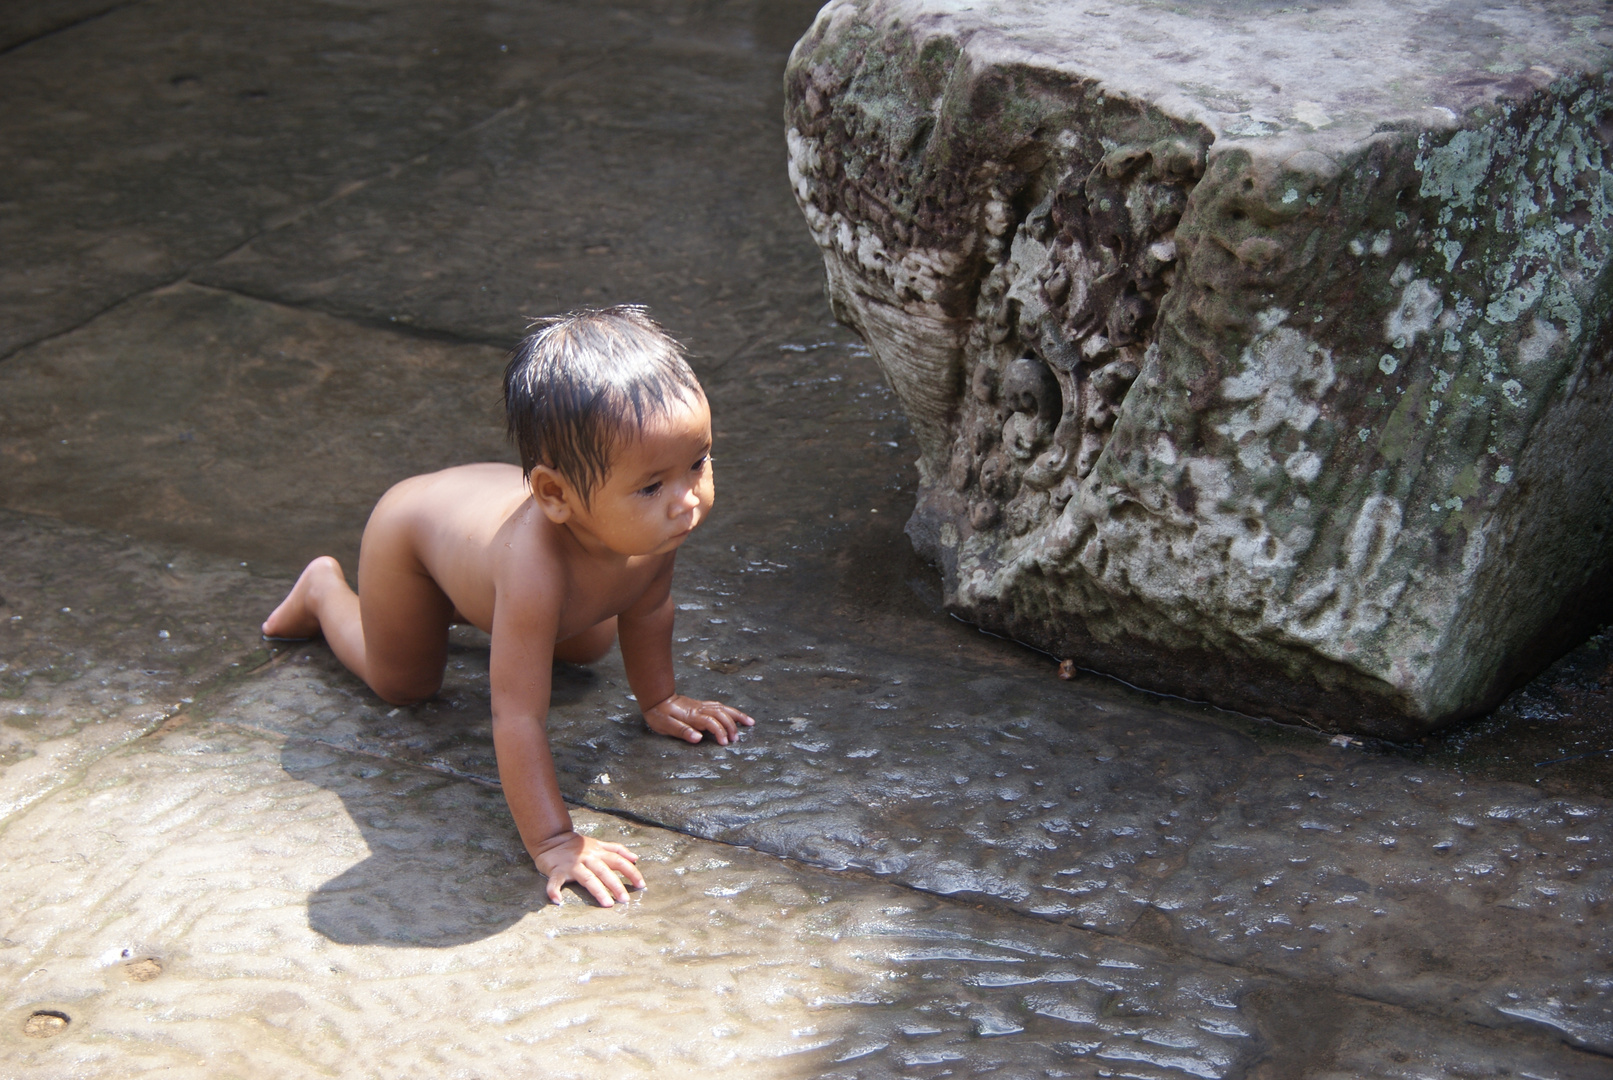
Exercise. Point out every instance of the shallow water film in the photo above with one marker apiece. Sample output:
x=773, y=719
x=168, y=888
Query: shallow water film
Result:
x=259, y=261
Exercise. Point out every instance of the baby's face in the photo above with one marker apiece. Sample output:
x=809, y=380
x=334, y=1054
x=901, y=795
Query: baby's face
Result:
x=659, y=486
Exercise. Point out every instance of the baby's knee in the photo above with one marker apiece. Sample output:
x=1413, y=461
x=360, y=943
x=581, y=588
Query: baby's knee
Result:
x=588, y=646
x=406, y=692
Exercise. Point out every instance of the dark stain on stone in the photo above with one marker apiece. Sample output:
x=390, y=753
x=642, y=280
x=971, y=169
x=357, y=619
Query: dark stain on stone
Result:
x=1304, y=1030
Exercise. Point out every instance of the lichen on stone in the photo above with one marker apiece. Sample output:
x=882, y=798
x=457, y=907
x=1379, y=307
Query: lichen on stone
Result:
x=1220, y=387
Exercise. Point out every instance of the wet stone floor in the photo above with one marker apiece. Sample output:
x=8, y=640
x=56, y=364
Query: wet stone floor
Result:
x=258, y=261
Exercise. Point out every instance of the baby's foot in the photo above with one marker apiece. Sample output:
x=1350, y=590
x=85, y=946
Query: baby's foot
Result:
x=294, y=619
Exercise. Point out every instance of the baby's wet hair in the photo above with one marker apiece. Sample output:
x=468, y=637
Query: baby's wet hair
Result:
x=579, y=382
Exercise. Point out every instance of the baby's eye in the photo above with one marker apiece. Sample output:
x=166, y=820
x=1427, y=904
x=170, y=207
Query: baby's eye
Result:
x=700, y=463
x=650, y=490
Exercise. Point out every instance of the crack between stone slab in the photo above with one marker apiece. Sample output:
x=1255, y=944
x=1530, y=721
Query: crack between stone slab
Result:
x=281, y=221
x=72, y=775
x=88, y=319
x=9, y=49
x=376, y=755
x=355, y=318
x=352, y=187
x=169, y=722
x=183, y=713
x=522, y=102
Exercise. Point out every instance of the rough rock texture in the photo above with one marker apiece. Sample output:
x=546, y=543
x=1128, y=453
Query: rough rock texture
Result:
x=1255, y=354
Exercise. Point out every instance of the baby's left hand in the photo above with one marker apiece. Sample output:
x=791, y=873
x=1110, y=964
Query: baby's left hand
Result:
x=685, y=718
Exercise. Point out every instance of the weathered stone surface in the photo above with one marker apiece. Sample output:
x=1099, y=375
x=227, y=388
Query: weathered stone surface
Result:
x=179, y=415
x=215, y=903
x=102, y=639
x=23, y=20
x=1259, y=355
x=1321, y=864
x=1314, y=869
x=210, y=124
x=648, y=175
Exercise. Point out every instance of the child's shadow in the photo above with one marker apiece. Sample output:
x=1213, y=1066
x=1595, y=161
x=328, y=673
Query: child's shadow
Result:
x=446, y=866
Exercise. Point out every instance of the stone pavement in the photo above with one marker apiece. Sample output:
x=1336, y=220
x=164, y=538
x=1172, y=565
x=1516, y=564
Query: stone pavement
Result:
x=259, y=261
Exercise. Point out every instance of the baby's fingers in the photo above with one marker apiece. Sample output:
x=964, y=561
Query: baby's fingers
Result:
x=682, y=730
x=715, y=722
x=736, y=714
x=600, y=880
x=617, y=849
x=664, y=724
x=620, y=862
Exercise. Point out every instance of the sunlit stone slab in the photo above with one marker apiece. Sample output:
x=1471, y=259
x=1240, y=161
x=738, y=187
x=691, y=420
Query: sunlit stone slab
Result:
x=213, y=902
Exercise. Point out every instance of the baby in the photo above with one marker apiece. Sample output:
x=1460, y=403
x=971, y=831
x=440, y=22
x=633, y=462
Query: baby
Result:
x=554, y=560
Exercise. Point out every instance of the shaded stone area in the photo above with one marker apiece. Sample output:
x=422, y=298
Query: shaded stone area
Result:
x=1556, y=727
x=193, y=441
x=635, y=177
x=930, y=858
x=22, y=23
x=1273, y=382
x=204, y=127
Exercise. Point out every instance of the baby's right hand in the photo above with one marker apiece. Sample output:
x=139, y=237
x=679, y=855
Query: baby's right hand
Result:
x=593, y=864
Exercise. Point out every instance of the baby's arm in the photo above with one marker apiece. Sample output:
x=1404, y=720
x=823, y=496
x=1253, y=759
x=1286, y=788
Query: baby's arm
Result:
x=645, y=633
x=524, y=629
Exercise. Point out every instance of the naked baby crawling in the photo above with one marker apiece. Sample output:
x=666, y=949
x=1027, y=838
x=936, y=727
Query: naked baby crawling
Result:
x=555, y=560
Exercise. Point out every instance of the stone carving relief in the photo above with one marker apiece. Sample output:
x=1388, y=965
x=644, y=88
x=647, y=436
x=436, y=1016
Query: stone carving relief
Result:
x=1064, y=322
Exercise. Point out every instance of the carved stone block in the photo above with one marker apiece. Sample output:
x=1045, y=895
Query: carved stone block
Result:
x=1255, y=354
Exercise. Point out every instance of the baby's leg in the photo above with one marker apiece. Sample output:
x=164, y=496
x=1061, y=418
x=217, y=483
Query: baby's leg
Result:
x=402, y=636
x=588, y=646
x=396, y=640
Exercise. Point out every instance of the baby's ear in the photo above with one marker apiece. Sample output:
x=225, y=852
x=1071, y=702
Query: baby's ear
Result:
x=549, y=491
